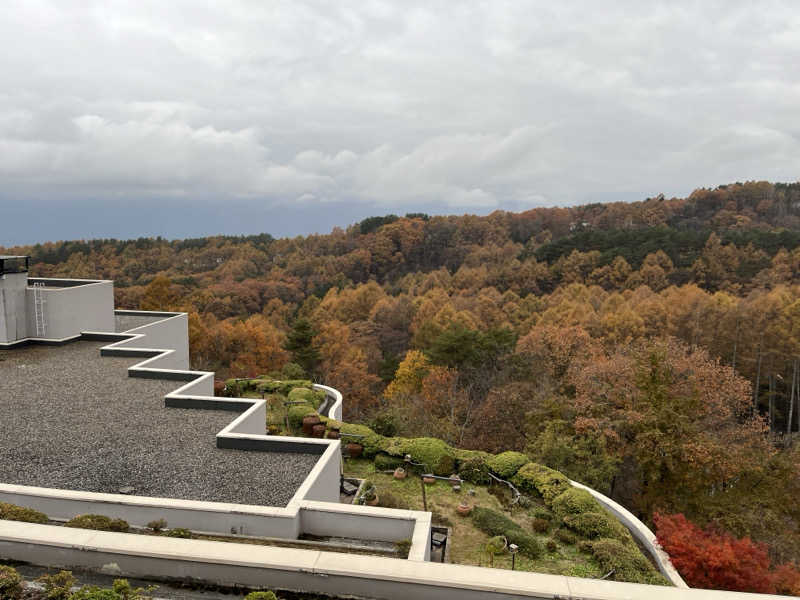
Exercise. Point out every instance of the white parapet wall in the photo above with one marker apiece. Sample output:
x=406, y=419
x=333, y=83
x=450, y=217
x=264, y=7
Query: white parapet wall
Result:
x=642, y=534
x=334, y=401
x=311, y=570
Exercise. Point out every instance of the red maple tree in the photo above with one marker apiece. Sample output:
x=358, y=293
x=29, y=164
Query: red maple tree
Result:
x=717, y=560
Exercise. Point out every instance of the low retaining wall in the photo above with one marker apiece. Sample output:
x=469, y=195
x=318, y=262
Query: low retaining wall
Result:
x=311, y=570
x=334, y=398
x=642, y=534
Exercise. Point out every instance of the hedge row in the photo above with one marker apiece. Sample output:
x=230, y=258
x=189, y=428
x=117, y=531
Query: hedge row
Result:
x=495, y=523
x=264, y=385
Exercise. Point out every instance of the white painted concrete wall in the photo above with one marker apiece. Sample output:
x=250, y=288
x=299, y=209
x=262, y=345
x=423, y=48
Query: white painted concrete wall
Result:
x=170, y=334
x=210, y=517
x=335, y=411
x=71, y=310
x=641, y=532
x=13, y=307
x=313, y=571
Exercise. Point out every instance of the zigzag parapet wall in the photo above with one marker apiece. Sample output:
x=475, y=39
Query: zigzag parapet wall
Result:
x=163, y=346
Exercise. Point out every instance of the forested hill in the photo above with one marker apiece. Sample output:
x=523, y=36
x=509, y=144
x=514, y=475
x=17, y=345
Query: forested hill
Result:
x=648, y=349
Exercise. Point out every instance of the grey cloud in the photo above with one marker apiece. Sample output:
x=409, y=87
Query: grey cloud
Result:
x=466, y=106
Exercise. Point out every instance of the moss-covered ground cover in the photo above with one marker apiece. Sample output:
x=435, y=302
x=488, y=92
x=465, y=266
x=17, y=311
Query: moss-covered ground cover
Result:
x=468, y=541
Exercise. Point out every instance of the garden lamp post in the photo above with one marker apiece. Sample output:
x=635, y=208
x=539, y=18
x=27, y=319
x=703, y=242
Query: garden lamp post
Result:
x=513, y=548
x=408, y=461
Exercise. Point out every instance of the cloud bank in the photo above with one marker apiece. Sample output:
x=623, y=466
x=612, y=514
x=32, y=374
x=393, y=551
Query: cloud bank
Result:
x=461, y=106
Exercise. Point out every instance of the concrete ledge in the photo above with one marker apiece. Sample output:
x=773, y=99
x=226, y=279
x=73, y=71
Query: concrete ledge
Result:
x=641, y=532
x=311, y=570
x=334, y=400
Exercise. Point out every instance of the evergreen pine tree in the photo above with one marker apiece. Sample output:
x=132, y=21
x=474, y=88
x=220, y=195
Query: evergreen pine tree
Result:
x=299, y=342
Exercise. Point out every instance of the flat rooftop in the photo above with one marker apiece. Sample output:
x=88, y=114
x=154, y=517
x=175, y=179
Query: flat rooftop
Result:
x=71, y=419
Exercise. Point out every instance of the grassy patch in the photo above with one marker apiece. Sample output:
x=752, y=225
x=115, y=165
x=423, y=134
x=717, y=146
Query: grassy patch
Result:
x=468, y=542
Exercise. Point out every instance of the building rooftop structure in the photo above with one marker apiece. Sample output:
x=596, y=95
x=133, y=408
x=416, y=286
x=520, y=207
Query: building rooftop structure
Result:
x=74, y=420
x=94, y=402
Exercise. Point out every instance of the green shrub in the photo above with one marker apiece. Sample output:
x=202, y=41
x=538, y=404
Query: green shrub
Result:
x=542, y=513
x=58, y=586
x=11, y=583
x=293, y=371
x=536, y=478
x=540, y=525
x=384, y=462
x=120, y=590
x=574, y=501
x=12, y=512
x=297, y=412
x=179, y=532
x=383, y=424
x=598, y=524
x=492, y=522
x=303, y=394
x=389, y=500
x=395, y=446
x=157, y=525
x=625, y=560
x=371, y=441
x=435, y=454
x=475, y=470
x=98, y=522
x=261, y=596
x=565, y=536
x=497, y=544
x=403, y=547
x=506, y=464
x=528, y=544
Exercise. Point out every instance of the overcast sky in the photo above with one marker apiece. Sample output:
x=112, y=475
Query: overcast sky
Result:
x=189, y=118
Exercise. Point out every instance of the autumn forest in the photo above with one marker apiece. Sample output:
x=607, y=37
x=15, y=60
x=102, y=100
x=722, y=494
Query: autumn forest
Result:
x=649, y=349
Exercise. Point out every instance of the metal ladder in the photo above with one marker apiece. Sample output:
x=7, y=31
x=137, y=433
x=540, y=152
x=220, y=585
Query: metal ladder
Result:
x=38, y=308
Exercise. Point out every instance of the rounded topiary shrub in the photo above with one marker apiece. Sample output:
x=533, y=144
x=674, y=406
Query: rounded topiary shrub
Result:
x=528, y=544
x=297, y=412
x=475, y=470
x=565, y=536
x=574, y=501
x=12, y=512
x=98, y=522
x=371, y=441
x=384, y=462
x=436, y=455
x=11, y=583
x=597, y=525
x=304, y=394
x=492, y=522
x=625, y=560
x=535, y=478
x=540, y=525
x=506, y=464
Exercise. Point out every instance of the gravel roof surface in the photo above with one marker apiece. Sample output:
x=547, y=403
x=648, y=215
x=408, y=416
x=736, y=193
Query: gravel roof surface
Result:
x=71, y=419
x=126, y=322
